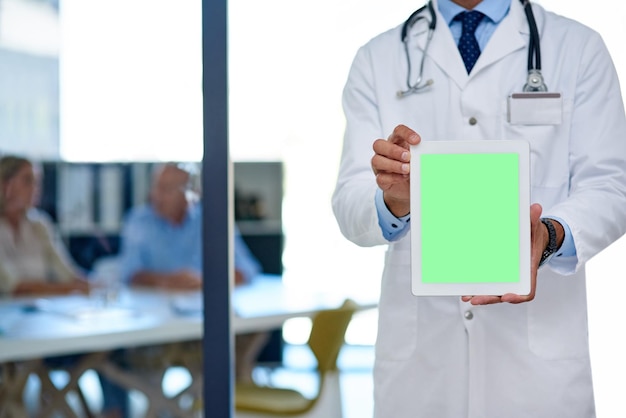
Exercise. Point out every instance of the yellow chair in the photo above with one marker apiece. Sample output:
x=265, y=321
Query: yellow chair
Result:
x=325, y=341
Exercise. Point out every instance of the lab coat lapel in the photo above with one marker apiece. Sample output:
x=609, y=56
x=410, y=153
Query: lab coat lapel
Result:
x=510, y=36
x=444, y=52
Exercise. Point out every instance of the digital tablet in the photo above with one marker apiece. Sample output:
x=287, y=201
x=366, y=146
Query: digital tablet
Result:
x=470, y=218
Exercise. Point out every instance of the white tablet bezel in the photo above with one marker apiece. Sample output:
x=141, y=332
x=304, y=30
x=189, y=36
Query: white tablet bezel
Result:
x=522, y=149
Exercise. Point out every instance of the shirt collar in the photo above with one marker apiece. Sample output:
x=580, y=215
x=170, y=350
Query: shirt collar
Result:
x=495, y=10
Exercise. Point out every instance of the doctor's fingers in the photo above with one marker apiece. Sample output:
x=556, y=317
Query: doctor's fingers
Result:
x=507, y=298
x=383, y=164
x=403, y=135
x=399, y=152
x=516, y=299
x=482, y=299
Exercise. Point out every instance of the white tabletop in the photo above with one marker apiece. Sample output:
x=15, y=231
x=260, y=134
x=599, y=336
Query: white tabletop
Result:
x=34, y=328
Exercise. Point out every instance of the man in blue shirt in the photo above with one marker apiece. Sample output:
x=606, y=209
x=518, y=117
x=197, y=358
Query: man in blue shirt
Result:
x=162, y=248
x=162, y=240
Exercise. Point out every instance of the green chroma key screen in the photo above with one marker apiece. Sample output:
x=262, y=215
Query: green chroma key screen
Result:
x=470, y=218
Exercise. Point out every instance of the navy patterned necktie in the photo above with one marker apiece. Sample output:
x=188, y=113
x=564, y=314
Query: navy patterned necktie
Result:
x=468, y=45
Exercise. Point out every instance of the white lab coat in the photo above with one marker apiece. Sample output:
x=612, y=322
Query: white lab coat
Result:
x=438, y=357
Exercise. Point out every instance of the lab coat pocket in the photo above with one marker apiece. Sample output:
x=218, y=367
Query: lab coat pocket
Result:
x=397, y=322
x=549, y=164
x=557, y=318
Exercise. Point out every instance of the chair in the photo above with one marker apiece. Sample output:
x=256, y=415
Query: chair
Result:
x=54, y=398
x=143, y=369
x=325, y=341
x=13, y=380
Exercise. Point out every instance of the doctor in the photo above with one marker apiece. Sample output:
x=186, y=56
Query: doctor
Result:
x=483, y=355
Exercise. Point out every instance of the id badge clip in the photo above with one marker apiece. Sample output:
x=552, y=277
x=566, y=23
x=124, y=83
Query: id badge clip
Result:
x=535, y=108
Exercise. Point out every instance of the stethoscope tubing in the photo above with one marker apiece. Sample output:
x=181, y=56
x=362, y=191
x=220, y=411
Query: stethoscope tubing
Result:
x=534, y=47
x=534, y=44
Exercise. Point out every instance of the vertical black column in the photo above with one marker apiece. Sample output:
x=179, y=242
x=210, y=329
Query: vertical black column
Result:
x=218, y=339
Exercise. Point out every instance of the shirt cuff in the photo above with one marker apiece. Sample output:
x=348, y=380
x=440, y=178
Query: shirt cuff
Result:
x=393, y=228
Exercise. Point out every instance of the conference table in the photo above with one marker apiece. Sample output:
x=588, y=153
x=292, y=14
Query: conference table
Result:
x=35, y=328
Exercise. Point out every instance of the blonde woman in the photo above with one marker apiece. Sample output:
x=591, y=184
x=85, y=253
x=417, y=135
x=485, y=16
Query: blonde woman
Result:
x=31, y=262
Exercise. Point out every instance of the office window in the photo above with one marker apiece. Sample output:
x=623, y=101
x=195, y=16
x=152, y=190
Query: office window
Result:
x=131, y=80
x=288, y=63
x=29, y=72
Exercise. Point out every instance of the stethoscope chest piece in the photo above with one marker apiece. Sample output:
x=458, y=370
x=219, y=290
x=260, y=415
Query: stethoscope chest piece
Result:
x=535, y=82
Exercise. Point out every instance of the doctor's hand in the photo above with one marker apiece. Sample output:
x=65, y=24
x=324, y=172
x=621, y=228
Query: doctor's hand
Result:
x=538, y=242
x=390, y=164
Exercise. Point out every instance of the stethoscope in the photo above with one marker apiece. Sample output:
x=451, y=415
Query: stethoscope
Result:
x=534, y=81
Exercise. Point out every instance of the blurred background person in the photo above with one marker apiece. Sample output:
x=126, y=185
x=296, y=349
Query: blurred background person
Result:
x=162, y=240
x=161, y=247
x=32, y=260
